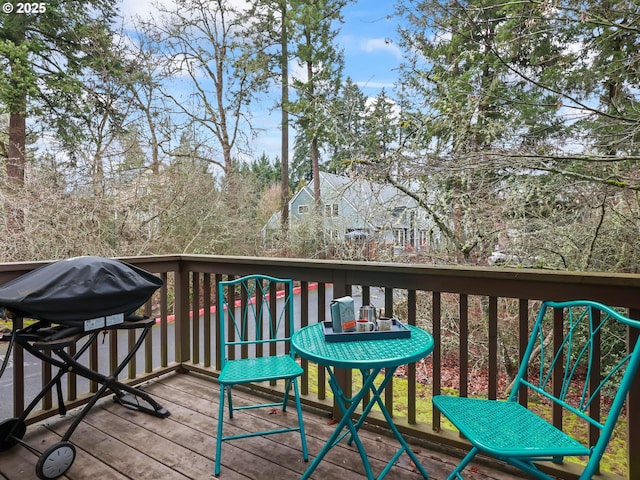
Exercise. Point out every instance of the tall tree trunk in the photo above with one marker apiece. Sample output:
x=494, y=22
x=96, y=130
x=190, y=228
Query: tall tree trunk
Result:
x=315, y=165
x=17, y=145
x=284, y=172
x=15, y=168
x=313, y=147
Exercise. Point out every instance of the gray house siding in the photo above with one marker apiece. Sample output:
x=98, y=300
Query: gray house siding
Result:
x=301, y=204
x=358, y=209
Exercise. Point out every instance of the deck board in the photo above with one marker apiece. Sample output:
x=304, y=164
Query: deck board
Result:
x=120, y=443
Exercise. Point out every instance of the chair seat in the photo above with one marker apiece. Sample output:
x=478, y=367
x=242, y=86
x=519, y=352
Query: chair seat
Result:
x=506, y=429
x=259, y=312
x=259, y=370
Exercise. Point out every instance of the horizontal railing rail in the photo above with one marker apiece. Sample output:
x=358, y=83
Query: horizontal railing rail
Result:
x=480, y=318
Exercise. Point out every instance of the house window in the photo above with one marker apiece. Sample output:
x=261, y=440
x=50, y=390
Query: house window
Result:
x=331, y=210
x=142, y=190
x=400, y=236
x=303, y=209
x=400, y=214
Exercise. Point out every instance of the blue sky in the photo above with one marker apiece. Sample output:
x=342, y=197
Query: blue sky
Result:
x=372, y=56
x=369, y=39
x=369, y=42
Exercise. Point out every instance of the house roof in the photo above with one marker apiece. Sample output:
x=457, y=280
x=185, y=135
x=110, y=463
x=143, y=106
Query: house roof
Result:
x=368, y=198
x=356, y=189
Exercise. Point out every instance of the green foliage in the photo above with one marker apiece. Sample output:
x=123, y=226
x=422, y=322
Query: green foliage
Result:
x=513, y=125
x=313, y=38
x=520, y=101
x=301, y=169
x=45, y=54
x=346, y=141
x=381, y=128
x=265, y=171
x=21, y=79
x=46, y=59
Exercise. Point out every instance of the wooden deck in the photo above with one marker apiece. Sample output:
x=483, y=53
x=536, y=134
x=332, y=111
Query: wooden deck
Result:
x=116, y=443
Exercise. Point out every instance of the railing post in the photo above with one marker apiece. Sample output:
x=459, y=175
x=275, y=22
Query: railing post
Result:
x=183, y=353
x=343, y=376
x=469, y=284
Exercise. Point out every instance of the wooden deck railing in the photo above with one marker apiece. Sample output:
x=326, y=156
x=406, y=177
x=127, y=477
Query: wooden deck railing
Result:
x=480, y=319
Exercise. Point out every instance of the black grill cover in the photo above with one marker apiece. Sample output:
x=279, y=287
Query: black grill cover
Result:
x=79, y=288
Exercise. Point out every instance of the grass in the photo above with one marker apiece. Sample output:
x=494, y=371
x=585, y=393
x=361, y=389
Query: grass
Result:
x=613, y=461
x=8, y=324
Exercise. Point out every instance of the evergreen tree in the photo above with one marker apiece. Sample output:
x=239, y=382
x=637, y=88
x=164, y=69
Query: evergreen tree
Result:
x=271, y=33
x=322, y=61
x=45, y=56
x=346, y=144
x=522, y=97
x=301, y=169
x=265, y=171
x=381, y=129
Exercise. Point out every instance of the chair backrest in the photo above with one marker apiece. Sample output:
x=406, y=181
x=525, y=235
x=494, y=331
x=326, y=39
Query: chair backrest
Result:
x=256, y=316
x=577, y=359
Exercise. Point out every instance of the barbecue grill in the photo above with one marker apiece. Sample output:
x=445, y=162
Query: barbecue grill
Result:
x=72, y=301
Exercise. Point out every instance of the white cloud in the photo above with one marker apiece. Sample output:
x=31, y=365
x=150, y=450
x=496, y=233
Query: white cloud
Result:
x=297, y=71
x=375, y=45
x=375, y=85
x=143, y=9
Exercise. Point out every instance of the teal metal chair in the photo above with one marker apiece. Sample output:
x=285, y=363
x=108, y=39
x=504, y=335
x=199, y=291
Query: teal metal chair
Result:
x=561, y=367
x=256, y=318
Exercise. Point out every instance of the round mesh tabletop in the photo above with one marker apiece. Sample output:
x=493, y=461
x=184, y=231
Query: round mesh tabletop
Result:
x=310, y=344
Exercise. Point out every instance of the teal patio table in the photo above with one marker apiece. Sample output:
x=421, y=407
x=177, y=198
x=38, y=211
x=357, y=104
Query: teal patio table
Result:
x=370, y=357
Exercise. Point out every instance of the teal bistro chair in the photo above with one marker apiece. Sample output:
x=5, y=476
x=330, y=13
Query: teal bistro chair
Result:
x=256, y=318
x=563, y=369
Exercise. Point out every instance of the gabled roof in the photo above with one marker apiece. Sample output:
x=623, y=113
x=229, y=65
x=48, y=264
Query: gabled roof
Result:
x=365, y=196
x=372, y=201
x=356, y=189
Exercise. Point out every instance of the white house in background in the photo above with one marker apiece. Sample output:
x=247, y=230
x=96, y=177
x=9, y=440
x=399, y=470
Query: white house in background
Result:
x=360, y=210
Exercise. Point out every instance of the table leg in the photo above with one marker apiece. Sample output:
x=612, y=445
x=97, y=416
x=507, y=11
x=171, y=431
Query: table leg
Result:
x=376, y=398
x=336, y=436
